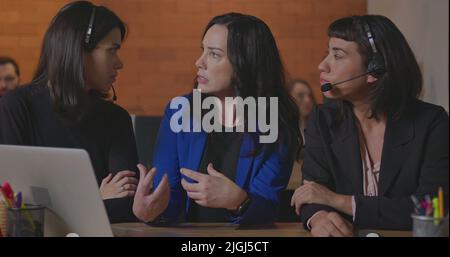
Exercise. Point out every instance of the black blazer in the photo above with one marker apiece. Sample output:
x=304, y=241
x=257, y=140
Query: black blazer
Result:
x=414, y=161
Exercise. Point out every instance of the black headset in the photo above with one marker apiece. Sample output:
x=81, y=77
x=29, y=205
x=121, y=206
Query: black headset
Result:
x=90, y=27
x=376, y=66
x=88, y=38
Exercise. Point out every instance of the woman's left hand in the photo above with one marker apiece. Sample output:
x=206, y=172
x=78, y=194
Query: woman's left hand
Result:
x=213, y=190
x=311, y=192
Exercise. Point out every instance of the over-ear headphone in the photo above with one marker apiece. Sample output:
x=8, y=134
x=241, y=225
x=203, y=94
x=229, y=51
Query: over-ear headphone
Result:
x=376, y=63
x=88, y=38
x=90, y=27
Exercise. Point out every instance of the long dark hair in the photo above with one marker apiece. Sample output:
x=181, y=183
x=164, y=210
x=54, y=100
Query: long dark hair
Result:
x=61, y=64
x=402, y=81
x=258, y=71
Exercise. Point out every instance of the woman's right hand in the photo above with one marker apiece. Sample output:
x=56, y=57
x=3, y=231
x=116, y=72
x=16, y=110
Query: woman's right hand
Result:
x=326, y=224
x=149, y=204
x=123, y=184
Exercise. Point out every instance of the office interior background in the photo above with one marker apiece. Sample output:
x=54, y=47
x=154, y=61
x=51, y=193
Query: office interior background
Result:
x=164, y=39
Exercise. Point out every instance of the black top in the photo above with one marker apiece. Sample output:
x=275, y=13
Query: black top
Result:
x=222, y=150
x=106, y=133
x=414, y=160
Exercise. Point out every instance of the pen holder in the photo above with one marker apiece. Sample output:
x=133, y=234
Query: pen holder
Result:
x=26, y=222
x=424, y=226
x=3, y=217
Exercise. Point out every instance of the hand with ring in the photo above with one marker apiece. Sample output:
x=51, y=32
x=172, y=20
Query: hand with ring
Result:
x=123, y=184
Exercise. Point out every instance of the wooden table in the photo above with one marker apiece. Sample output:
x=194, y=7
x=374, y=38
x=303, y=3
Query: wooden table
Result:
x=224, y=230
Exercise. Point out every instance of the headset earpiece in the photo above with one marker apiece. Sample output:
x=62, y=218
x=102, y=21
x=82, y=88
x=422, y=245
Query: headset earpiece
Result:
x=376, y=66
x=376, y=63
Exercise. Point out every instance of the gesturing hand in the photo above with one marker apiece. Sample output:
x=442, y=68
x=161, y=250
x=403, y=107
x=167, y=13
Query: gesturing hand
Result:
x=213, y=190
x=149, y=204
x=325, y=224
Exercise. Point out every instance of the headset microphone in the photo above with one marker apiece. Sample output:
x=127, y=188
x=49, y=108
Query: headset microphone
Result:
x=114, y=98
x=328, y=86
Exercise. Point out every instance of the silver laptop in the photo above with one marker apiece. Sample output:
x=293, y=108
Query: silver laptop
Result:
x=62, y=180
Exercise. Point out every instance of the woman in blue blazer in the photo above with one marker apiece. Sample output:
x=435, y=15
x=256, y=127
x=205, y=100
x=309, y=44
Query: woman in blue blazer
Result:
x=222, y=176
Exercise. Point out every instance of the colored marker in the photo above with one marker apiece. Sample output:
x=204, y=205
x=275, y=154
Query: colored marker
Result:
x=435, y=210
x=441, y=202
x=8, y=194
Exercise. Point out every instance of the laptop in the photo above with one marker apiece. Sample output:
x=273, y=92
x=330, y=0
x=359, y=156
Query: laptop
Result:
x=63, y=181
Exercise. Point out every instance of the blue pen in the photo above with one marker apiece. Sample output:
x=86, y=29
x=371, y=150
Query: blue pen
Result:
x=19, y=200
x=427, y=198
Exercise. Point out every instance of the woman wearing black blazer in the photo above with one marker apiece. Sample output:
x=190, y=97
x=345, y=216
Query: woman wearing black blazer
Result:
x=374, y=144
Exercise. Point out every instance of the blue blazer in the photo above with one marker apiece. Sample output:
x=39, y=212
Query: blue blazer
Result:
x=263, y=176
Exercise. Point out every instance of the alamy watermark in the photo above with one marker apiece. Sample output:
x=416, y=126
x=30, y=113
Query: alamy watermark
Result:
x=234, y=107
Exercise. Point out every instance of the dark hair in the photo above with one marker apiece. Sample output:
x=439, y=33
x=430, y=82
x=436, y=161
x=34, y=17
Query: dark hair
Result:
x=5, y=60
x=402, y=81
x=61, y=64
x=293, y=82
x=258, y=71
